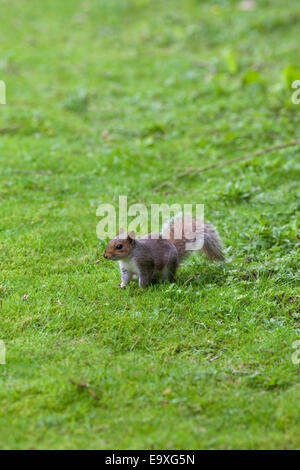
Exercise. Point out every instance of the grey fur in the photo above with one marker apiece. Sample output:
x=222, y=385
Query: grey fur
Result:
x=153, y=260
x=205, y=231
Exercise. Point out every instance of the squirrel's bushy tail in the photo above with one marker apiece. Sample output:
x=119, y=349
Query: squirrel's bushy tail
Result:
x=202, y=234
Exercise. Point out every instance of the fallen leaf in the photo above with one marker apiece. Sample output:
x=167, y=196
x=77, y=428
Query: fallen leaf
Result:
x=247, y=5
x=214, y=358
x=91, y=392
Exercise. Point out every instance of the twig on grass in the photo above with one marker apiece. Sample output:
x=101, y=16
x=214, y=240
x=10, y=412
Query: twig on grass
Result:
x=166, y=183
x=214, y=358
x=190, y=279
x=135, y=343
x=192, y=171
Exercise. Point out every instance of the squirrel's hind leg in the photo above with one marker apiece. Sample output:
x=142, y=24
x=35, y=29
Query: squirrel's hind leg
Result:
x=171, y=269
x=145, y=278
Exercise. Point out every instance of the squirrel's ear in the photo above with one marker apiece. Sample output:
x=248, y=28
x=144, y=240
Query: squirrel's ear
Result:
x=121, y=233
x=131, y=237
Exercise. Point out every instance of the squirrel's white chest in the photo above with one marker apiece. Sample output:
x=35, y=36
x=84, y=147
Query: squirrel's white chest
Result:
x=130, y=266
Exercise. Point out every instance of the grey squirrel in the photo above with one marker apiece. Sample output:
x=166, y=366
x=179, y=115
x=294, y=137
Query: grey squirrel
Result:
x=154, y=259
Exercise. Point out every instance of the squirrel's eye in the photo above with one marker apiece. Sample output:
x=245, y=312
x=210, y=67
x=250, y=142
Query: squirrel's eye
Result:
x=119, y=247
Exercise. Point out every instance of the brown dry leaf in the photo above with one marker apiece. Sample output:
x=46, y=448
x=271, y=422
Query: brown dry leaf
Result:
x=242, y=365
x=94, y=395
x=167, y=391
x=214, y=358
x=247, y=5
x=78, y=384
x=101, y=427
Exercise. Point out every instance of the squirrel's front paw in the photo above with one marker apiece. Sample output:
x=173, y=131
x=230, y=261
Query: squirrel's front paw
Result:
x=122, y=286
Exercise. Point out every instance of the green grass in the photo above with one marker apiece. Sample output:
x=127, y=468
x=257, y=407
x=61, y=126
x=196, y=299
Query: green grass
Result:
x=202, y=363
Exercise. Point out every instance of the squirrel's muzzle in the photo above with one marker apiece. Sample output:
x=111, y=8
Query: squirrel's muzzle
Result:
x=109, y=256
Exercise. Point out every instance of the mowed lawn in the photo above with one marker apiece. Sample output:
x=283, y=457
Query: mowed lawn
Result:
x=121, y=97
